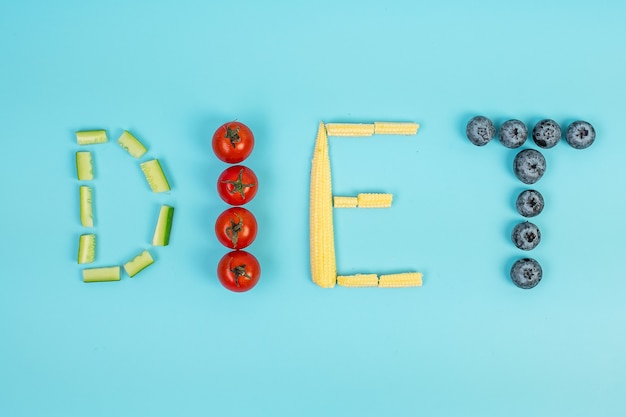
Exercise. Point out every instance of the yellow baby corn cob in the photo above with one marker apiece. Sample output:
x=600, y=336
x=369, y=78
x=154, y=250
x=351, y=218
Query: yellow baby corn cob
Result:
x=358, y=280
x=406, y=279
x=345, y=202
x=350, y=129
x=374, y=200
x=391, y=128
x=323, y=266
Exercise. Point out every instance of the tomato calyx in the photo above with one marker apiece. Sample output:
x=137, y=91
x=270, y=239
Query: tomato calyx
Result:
x=238, y=271
x=233, y=136
x=238, y=185
x=233, y=230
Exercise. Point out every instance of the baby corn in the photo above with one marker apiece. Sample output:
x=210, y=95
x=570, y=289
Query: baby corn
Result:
x=323, y=266
x=406, y=279
x=350, y=129
x=345, y=202
x=374, y=200
x=358, y=280
x=390, y=128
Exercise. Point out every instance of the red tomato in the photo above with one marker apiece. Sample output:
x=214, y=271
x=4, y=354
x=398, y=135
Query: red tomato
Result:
x=233, y=142
x=237, y=185
x=238, y=271
x=236, y=228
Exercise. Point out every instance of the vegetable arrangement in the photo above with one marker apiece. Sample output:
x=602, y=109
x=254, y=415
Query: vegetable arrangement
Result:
x=236, y=227
x=158, y=183
x=322, y=202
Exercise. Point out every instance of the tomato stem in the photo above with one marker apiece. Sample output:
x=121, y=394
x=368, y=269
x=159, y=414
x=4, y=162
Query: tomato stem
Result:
x=238, y=185
x=233, y=136
x=239, y=271
x=233, y=230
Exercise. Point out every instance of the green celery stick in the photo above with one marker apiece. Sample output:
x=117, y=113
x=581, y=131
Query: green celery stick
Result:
x=164, y=226
x=86, y=206
x=155, y=176
x=84, y=166
x=131, y=144
x=138, y=263
x=87, y=249
x=91, y=137
x=101, y=274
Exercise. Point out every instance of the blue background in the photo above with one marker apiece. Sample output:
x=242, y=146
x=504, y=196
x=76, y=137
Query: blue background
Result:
x=172, y=341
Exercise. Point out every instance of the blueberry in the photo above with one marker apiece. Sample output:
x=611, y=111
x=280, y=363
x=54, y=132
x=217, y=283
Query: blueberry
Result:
x=546, y=133
x=513, y=133
x=529, y=203
x=480, y=130
x=526, y=273
x=580, y=134
x=529, y=166
x=526, y=236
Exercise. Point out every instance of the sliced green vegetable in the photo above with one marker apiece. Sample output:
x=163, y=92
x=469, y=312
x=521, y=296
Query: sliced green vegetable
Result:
x=155, y=176
x=138, y=263
x=87, y=249
x=111, y=273
x=86, y=206
x=164, y=226
x=91, y=137
x=84, y=166
x=131, y=144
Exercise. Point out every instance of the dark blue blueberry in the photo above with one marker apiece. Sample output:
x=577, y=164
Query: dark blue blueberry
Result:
x=546, y=133
x=529, y=166
x=580, y=134
x=513, y=133
x=529, y=203
x=480, y=130
x=526, y=236
x=526, y=273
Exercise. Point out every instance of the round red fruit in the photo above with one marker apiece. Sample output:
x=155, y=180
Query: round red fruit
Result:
x=237, y=185
x=233, y=142
x=236, y=228
x=238, y=271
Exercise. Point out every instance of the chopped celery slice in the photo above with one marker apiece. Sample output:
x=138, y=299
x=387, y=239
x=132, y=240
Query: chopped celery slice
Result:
x=84, y=166
x=87, y=249
x=91, y=137
x=155, y=176
x=86, y=206
x=131, y=144
x=111, y=273
x=138, y=263
x=164, y=226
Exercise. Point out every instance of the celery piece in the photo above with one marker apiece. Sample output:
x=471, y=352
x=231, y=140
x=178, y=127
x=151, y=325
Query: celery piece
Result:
x=87, y=249
x=86, y=206
x=138, y=263
x=164, y=226
x=84, y=166
x=155, y=176
x=91, y=137
x=111, y=273
x=131, y=144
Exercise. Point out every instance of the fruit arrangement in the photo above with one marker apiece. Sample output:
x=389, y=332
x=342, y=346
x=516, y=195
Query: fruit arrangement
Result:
x=529, y=166
x=236, y=227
